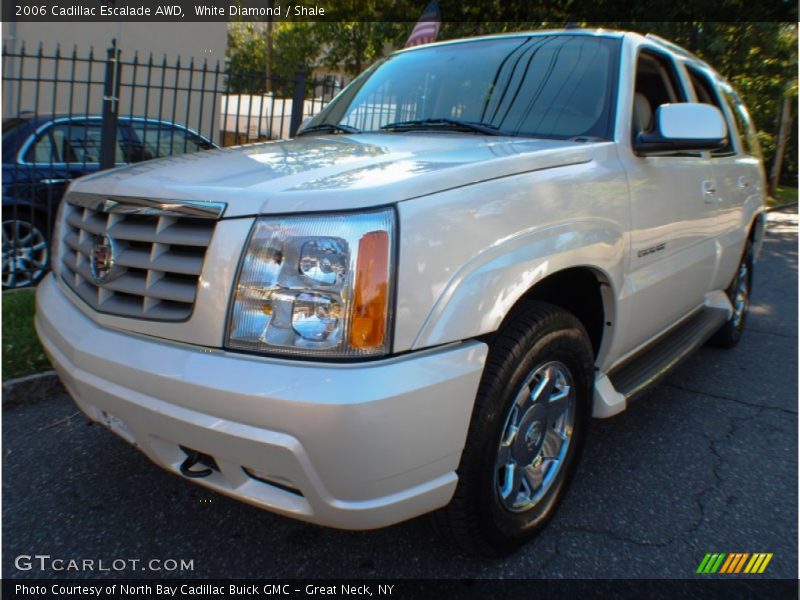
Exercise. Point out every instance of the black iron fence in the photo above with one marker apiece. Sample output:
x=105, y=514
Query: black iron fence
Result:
x=68, y=114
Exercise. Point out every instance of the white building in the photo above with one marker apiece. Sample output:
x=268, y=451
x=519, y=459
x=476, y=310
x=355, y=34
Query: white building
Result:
x=189, y=41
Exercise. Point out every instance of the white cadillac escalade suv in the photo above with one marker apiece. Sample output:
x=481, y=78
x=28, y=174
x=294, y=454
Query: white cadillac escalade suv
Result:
x=419, y=303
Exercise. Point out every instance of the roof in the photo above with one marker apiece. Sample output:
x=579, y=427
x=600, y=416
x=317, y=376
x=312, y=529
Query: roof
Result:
x=609, y=33
x=595, y=32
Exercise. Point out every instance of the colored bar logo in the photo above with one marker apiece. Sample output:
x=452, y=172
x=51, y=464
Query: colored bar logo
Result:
x=734, y=563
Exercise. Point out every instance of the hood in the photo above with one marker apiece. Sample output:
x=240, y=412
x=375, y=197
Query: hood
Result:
x=334, y=172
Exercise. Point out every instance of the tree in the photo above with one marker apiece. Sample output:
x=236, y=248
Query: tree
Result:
x=247, y=56
x=354, y=46
x=295, y=45
x=784, y=131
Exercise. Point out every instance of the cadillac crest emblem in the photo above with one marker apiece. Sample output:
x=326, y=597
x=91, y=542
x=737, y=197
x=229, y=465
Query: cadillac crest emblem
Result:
x=102, y=260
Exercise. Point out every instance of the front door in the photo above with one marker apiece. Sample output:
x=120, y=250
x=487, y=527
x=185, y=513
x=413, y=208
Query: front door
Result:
x=673, y=202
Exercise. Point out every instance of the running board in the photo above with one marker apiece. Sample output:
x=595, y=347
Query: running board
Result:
x=656, y=360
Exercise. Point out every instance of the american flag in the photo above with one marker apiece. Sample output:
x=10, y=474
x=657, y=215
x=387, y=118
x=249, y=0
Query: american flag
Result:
x=427, y=28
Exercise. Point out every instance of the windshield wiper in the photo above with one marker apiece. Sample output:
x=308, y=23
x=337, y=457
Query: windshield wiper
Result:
x=329, y=128
x=443, y=122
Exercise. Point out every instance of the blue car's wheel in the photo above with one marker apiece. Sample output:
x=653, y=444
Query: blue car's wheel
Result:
x=26, y=253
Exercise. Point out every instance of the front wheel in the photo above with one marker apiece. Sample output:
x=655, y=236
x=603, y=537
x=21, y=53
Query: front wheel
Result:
x=739, y=293
x=526, y=434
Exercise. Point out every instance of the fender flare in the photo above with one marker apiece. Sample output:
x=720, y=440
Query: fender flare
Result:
x=481, y=293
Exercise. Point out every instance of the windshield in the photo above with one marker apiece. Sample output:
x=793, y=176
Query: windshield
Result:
x=553, y=86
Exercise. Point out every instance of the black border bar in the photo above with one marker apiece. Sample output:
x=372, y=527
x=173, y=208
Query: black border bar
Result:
x=510, y=11
x=731, y=588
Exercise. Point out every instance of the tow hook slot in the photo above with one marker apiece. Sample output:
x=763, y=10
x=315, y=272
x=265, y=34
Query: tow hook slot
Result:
x=194, y=458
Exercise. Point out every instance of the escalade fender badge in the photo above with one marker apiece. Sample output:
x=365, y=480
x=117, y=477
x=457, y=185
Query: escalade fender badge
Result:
x=651, y=250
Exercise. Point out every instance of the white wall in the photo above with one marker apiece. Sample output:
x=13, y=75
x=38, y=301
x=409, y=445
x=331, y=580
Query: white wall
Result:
x=198, y=41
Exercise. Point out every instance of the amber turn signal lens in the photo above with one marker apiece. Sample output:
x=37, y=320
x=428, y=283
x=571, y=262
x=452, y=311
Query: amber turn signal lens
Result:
x=371, y=297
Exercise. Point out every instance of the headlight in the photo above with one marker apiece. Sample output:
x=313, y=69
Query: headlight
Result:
x=317, y=285
x=55, y=238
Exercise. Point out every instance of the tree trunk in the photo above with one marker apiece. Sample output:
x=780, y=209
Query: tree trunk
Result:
x=359, y=36
x=268, y=73
x=780, y=146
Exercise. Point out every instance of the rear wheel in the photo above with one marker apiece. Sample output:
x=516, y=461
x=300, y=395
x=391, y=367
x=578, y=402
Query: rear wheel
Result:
x=26, y=253
x=526, y=433
x=739, y=293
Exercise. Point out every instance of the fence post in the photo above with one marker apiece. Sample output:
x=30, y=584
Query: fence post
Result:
x=110, y=108
x=298, y=100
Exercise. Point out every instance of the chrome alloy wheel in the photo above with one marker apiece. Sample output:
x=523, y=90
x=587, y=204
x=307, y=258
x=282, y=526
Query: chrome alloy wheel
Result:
x=741, y=294
x=25, y=253
x=535, y=437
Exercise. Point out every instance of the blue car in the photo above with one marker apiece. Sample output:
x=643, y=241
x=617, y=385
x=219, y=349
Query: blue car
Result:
x=41, y=155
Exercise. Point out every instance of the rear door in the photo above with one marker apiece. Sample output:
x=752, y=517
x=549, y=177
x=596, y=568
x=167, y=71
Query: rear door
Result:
x=748, y=183
x=735, y=176
x=40, y=160
x=67, y=149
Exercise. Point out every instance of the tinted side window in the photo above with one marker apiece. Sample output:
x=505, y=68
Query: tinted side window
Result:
x=657, y=83
x=158, y=140
x=707, y=94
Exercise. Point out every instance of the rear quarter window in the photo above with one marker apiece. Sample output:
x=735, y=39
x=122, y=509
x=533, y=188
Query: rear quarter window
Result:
x=161, y=139
x=747, y=131
x=708, y=93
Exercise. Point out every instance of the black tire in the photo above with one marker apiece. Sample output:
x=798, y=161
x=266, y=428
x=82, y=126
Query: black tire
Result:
x=731, y=332
x=476, y=518
x=34, y=261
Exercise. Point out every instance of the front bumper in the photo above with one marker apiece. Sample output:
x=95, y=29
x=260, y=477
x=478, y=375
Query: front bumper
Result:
x=354, y=446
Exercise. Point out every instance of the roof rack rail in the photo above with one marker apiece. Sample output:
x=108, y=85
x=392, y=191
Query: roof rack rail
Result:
x=673, y=46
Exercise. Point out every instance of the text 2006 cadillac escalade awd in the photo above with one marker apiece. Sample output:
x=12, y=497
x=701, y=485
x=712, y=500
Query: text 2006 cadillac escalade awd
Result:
x=418, y=303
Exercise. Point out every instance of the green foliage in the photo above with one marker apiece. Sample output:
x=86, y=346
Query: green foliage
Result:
x=247, y=58
x=295, y=45
x=783, y=195
x=22, y=352
x=354, y=46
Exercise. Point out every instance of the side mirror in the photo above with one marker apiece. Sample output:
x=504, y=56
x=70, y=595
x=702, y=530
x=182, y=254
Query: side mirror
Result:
x=684, y=126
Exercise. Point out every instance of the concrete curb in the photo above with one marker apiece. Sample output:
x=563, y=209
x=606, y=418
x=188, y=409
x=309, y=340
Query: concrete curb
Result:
x=31, y=389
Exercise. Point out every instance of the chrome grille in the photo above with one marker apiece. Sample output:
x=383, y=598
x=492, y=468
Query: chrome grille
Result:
x=158, y=254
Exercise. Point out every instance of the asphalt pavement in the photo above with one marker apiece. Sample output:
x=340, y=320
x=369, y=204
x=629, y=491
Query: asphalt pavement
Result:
x=707, y=462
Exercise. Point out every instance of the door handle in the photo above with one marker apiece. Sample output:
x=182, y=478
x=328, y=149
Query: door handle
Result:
x=742, y=182
x=709, y=190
